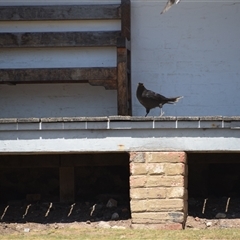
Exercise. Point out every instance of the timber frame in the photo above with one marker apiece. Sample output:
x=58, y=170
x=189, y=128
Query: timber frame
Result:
x=115, y=78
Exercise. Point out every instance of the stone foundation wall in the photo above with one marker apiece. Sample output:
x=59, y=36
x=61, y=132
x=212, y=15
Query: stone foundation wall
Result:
x=158, y=189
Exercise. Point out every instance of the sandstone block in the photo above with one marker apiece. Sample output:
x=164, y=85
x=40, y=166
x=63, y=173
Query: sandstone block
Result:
x=158, y=217
x=138, y=181
x=165, y=204
x=175, y=192
x=161, y=157
x=171, y=169
x=164, y=181
x=151, y=205
x=138, y=168
x=137, y=157
x=159, y=226
x=138, y=205
x=185, y=209
x=177, y=217
x=150, y=217
x=155, y=168
x=147, y=193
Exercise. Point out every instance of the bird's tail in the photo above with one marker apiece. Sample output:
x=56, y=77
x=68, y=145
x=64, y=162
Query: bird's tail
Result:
x=174, y=100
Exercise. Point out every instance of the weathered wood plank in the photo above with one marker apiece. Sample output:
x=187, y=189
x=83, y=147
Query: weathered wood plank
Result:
x=129, y=83
x=107, y=84
x=56, y=12
x=122, y=81
x=59, y=39
x=111, y=78
x=126, y=18
x=95, y=76
x=121, y=42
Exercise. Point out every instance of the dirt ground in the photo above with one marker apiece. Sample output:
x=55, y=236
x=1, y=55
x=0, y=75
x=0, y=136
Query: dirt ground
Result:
x=22, y=217
x=213, y=212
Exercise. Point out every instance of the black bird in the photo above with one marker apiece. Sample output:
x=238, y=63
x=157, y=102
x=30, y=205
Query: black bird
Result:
x=150, y=99
x=169, y=5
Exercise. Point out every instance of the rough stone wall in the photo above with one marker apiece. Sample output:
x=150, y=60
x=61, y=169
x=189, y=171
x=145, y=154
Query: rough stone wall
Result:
x=158, y=189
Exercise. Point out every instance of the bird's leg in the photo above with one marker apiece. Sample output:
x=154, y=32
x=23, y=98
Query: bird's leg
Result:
x=147, y=112
x=162, y=113
x=160, y=106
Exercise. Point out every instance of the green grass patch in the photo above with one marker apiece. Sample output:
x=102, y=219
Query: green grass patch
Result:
x=67, y=233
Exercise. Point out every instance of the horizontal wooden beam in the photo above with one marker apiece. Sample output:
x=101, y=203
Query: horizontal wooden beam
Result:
x=30, y=161
x=104, y=159
x=63, y=160
x=56, y=12
x=59, y=39
x=96, y=76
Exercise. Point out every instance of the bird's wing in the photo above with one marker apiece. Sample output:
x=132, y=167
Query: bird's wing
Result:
x=168, y=6
x=152, y=95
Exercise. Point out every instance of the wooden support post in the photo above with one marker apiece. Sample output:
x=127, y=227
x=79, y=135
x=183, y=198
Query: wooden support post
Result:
x=67, y=184
x=122, y=94
x=123, y=61
x=129, y=82
x=125, y=19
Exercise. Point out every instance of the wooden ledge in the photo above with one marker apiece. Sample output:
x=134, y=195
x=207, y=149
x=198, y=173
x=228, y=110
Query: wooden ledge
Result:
x=60, y=39
x=56, y=12
x=96, y=76
x=123, y=118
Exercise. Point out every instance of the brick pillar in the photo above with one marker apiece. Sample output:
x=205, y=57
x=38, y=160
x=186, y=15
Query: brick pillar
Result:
x=158, y=189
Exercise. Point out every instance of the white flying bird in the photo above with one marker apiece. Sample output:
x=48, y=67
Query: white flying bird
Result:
x=169, y=5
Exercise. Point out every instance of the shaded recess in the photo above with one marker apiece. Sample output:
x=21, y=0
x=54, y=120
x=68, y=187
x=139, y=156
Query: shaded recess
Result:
x=31, y=187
